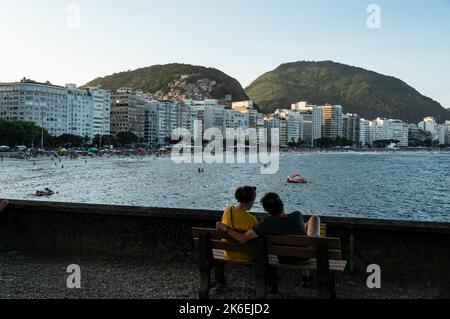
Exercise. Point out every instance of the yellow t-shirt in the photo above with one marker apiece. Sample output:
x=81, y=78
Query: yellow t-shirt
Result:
x=240, y=221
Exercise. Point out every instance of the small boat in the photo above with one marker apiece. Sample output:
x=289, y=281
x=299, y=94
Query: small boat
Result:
x=46, y=192
x=296, y=179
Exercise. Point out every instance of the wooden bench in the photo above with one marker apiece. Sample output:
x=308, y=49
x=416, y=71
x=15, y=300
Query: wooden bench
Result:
x=324, y=254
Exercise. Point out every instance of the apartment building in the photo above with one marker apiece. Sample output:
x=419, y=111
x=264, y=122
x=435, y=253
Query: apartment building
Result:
x=60, y=110
x=128, y=112
x=351, y=128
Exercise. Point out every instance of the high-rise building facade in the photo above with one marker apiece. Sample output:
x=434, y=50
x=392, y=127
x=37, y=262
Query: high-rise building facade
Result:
x=317, y=123
x=101, y=111
x=80, y=111
x=41, y=103
x=441, y=135
x=447, y=132
x=293, y=129
x=331, y=121
x=306, y=128
x=389, y=130
x=162, y=118
x=59, y=110
x=429, y=124
x=127, y=112
x=364, y=132
x=243, y=106
x=235, y=120
x=351, y=128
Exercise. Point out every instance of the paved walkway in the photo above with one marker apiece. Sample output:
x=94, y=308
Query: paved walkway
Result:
x=26, y=276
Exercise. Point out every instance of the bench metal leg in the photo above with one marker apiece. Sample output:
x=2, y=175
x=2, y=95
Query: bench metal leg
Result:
x=273, y=280
x=261, y=287
x=325, y=277
x=332, y=286
x=219, y=271
x=352, y=249
x=327, y=287
x=324, y=291
x=261, y=266
x=205, y=284
x=205, y=265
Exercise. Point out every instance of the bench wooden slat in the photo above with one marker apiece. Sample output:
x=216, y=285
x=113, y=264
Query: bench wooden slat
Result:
x=301, y=252
x=335, y=265
x=212, y=233
x=302, y=241
x=219, y=255
x=230, y=246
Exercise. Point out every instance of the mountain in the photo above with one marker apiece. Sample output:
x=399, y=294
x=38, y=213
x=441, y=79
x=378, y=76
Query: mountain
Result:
x=175, y=81
x=360, y=91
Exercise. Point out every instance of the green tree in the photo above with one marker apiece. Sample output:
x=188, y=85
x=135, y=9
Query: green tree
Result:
x=68, y=140
x=104, y=140
x=126, y=138
x=14, y=133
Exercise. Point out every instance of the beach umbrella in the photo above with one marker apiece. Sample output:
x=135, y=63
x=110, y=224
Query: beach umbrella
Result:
x=93, y=150
x=140, y=150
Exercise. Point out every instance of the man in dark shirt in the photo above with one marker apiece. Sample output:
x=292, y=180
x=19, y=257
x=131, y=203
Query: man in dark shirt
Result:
x=278, y=223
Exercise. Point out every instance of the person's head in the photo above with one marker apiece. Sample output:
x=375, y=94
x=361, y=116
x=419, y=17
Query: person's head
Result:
x=273, y=204
x=246, y=196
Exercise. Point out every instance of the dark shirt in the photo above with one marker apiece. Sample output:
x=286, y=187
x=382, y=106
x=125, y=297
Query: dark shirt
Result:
x=290, y=225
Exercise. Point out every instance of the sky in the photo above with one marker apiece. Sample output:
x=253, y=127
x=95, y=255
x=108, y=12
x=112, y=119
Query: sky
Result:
x=76, y=41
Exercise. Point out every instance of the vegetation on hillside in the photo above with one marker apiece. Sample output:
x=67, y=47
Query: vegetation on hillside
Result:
x=159, y=77
x=366, y=93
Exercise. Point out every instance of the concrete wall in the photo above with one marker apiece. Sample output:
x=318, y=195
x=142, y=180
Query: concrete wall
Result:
x=414, y=250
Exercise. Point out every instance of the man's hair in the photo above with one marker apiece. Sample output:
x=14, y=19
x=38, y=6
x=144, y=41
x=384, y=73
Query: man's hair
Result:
x=245, y=194
x=273, y=204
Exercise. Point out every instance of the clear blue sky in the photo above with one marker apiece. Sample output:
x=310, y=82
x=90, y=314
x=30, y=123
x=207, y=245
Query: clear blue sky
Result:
x=243, y=38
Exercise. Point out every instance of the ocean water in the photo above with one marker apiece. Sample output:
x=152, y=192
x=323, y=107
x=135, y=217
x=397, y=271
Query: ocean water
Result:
x=402, y=186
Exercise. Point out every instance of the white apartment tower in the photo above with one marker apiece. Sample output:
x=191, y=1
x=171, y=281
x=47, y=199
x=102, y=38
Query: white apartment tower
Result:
x=59, y=110
x=101, y=111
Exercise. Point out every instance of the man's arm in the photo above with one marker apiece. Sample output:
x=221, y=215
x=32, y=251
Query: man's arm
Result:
x=242, y=238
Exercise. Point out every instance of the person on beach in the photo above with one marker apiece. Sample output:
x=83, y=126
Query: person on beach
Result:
x=239, y=218
x=3, y=205
x=277, y=223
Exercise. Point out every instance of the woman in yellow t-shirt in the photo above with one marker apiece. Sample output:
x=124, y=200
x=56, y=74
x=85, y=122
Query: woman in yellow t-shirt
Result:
x=239, y=219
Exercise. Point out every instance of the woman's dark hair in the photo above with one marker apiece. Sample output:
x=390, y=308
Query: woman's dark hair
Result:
x=273, y=204
x=245, y=194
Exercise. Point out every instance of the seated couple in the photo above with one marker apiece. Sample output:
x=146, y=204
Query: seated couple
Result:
x=239, y=224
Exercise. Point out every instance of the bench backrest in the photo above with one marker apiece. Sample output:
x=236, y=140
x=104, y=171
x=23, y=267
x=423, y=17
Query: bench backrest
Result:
x=303, y=247
x=221, y=241
x=286, y=246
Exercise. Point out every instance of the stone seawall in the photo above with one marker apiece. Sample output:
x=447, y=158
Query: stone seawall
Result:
x=409, y=250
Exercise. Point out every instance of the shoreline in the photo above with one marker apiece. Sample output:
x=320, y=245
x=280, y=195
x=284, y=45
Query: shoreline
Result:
x=16, y=156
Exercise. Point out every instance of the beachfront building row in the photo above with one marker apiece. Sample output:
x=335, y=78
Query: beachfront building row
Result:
x=309, y=123
x=93, y=111
x=60, y=110
x=440, y=133
x=161, y=117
